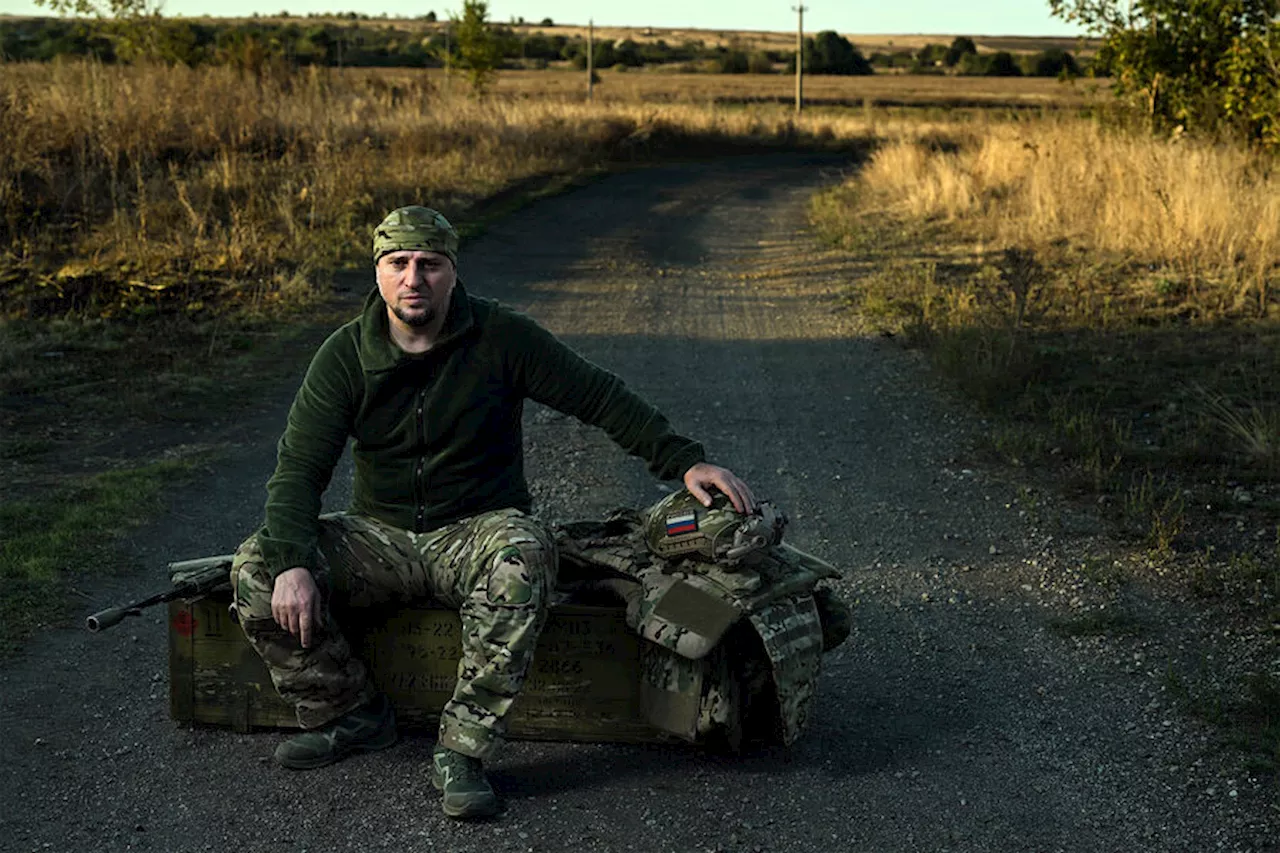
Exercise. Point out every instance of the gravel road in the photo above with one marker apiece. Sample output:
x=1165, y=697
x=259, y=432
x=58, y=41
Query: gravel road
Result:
x=954, y=719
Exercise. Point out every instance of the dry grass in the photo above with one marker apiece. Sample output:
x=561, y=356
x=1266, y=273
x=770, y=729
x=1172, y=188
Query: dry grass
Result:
x=878, y=90
x=1110, y=298
x=119, y=183
x=1210, y=212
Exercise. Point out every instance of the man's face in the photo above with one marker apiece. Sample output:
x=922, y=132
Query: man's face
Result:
x=416, y=285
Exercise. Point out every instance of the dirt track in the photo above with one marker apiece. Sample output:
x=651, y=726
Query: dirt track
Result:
x=953, y=719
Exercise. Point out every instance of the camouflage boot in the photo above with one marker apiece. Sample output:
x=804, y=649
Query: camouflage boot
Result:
x=467, y=793
x=366, y=729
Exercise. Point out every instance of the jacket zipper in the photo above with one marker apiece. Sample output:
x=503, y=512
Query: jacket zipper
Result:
x=420, y=486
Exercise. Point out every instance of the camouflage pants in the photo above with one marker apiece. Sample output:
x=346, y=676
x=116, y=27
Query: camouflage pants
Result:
x=497, y=569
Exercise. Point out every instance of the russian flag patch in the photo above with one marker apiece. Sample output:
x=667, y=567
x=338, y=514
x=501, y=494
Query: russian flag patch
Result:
x=685, y=522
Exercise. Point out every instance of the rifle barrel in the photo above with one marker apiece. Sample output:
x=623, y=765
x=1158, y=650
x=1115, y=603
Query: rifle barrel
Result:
x=104, y=619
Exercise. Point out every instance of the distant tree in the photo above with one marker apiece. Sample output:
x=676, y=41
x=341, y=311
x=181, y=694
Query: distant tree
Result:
x=835, y=54
x=1054, y=62
x=546, y=22
x=961, y=47
x=627, y=53
x=759, y=63
x=732, y=62
x=431, y=17
x=973, y=64
x=479, y=52
x=134, y=27
x=831, y=53
x=929, y=59
x=539, y=46
x=1002, y=64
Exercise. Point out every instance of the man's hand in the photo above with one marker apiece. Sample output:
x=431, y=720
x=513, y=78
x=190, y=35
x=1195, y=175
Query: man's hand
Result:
x=295, y=603
x=705, y=475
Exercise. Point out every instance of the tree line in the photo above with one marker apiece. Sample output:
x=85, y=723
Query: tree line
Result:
x=359, y=41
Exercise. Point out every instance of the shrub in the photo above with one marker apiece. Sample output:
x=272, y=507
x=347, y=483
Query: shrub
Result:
x=1003, y=65
x=961, y=47
x=1054, y=62
x=759, y=63
x=733, y=62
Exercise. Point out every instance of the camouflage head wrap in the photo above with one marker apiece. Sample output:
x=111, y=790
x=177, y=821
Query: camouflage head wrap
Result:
x=415, y=229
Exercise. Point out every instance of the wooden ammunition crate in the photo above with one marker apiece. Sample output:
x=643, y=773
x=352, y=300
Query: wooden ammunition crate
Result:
x=585, y=683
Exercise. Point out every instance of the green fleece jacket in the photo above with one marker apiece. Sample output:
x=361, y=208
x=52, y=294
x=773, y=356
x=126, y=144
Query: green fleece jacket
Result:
x=437, y=436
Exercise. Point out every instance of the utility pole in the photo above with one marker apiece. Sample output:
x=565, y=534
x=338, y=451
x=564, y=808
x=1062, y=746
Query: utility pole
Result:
x=591, y=58
x=800, y=10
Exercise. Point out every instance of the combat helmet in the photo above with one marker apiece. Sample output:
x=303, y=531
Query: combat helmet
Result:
x=680, y=526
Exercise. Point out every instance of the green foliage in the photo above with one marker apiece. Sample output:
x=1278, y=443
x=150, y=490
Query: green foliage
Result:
x=1054, y=62
x=831, y=53
x=999, y=64
x=1199, y=65
x=258, y=45
x=249, y=46
x=961, y=47
x=1002, y=64
x=733, y=62
x=929, y=59
x=627, y=53
x=134, y=28
x=760, y=63
x=479, y=52
x=1251, y=91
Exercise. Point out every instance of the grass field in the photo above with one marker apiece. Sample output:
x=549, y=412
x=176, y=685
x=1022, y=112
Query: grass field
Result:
x=879, y=90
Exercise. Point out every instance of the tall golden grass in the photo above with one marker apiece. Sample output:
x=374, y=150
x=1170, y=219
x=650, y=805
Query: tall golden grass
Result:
x=1109, y=297
x=1207, y=213
x=130, y=179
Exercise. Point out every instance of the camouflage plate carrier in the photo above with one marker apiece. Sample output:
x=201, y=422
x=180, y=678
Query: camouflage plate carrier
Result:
x=736, y=619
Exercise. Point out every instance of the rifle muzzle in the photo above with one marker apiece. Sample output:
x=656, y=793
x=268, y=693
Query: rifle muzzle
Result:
x=104, y=619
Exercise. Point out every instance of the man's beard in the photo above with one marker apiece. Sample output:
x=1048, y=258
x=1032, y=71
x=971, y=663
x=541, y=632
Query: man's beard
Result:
x=415, y=321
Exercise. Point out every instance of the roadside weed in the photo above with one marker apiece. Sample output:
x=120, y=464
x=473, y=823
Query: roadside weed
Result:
x=1156, y=509
x=1251, y=425
x=50, y=544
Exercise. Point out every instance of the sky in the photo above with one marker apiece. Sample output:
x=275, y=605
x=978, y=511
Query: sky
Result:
x=986, y=17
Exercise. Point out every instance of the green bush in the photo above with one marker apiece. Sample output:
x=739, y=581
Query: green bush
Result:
x=961, y=47
x=1003, y=65
x=929, y=59
x=759, y=63
x=1054, y=62
x=733, y=62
